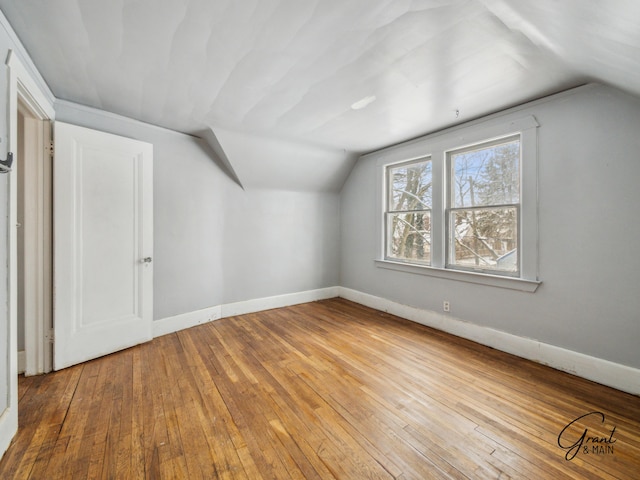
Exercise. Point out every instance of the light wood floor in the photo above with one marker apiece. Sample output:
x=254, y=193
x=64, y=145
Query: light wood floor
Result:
x=322, y=390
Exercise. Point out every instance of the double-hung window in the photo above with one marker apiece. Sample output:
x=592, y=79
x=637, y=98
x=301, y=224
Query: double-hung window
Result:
x=462, y=204
x=484, y=207
x=409, y=211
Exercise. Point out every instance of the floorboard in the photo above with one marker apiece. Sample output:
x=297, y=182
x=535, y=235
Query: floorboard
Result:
x=324, y=390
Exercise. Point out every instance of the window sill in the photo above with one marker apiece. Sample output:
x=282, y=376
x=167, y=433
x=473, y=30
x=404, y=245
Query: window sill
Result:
x=462, y=276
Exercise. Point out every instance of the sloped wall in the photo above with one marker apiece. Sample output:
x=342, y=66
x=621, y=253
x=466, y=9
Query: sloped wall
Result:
x=215, y=243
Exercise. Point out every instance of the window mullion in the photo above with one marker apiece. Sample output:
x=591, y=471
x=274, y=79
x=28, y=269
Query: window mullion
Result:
x=438, y=211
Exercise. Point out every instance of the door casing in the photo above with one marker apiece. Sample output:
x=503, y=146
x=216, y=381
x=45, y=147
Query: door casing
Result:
x=21, y=85
x=35, y=168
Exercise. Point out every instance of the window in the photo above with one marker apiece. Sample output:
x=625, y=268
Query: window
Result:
x=408, y=222
x=462, y=204
x=484, y=206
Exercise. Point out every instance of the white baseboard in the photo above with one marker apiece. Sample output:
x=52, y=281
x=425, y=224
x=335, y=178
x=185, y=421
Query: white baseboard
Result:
x=267, y=303
x=22, y=361
x=176, y=323
x=185, y=320
x=608, y=373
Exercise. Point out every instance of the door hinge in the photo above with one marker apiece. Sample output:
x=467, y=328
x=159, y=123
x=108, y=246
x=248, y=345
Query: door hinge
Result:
x=50, y=336
x=50, y=148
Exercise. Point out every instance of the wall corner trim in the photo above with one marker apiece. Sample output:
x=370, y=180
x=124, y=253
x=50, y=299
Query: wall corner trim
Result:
x=602, y=371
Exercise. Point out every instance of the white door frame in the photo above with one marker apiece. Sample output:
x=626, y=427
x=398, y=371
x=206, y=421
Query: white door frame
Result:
x=21, y=85
x=37, y=327
x=34, y=165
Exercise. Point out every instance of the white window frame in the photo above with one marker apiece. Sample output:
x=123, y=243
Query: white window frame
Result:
x=450, y=207
x=389, y=211
x=436, y=147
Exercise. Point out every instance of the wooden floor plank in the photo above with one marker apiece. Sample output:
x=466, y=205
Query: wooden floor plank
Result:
x=326, y=390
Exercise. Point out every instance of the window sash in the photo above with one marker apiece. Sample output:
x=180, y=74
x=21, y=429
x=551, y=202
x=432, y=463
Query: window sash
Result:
x=401, y=244
x=409, y=246
x=485, y=145
x=390, y=187
x=483, y=264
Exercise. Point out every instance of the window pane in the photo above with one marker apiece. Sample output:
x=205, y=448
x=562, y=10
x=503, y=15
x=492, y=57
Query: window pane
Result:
x=409, y=236
x=410, y=186
x=486, y=175
x=485, y=239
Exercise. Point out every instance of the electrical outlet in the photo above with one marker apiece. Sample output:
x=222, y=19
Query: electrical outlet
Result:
x=446, y=306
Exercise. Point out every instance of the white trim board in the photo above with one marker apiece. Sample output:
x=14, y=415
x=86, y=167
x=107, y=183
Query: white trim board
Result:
x=608, y=373
x=176, y=323
x=20, y=84
x=186, y=320
x=267, y=303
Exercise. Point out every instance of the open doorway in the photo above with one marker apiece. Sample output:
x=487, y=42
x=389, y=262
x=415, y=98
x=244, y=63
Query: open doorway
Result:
x=34, y=241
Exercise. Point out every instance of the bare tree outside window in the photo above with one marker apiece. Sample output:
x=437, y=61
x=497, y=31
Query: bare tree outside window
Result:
x=466, y=209
x=409, y=211
x=485, y=204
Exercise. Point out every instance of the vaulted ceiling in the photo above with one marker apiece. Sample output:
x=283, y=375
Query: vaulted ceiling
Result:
x=333, y=76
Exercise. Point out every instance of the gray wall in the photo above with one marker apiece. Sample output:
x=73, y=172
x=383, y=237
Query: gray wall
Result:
x=215, y=243
x=589, y=173
x=279, y=241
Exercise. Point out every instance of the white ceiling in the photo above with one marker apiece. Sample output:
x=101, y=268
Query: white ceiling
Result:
x=289, y=70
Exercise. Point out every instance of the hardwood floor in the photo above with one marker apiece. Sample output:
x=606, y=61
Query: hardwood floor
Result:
x=323, y=390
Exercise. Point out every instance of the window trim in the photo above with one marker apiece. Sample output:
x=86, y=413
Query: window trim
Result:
x=450, y=204
x=436, y=147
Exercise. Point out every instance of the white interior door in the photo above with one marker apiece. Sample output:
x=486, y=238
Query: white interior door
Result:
x=103, y=241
